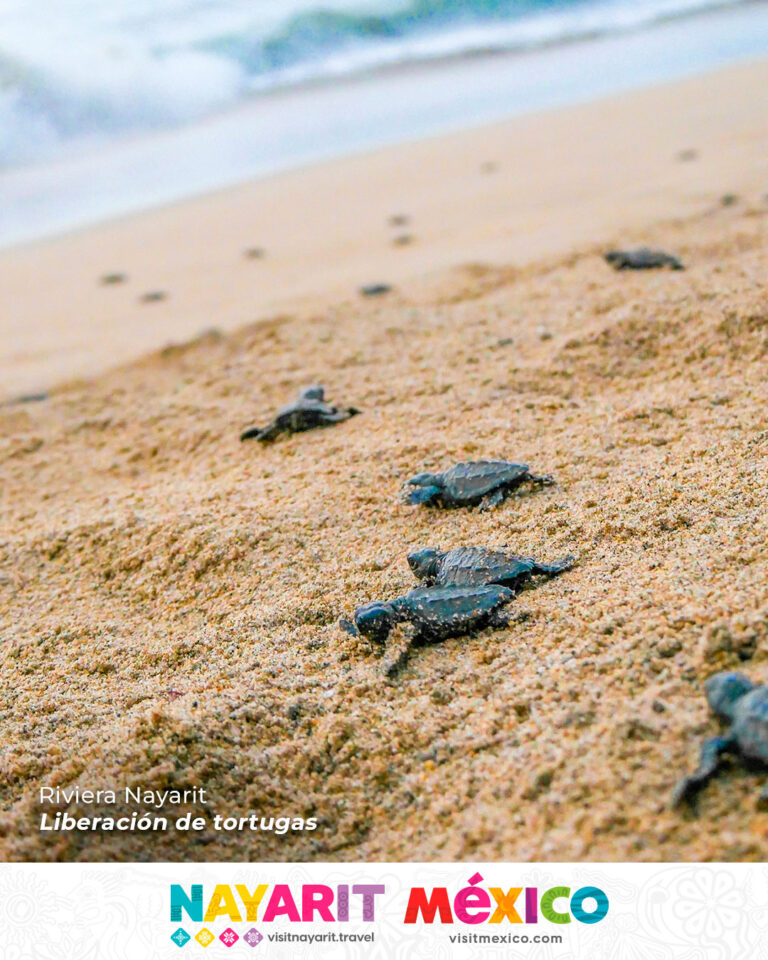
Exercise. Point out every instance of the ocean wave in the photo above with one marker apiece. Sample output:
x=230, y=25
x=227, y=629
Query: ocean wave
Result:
x=321, y=45
x=93, y=71
x=48, y=102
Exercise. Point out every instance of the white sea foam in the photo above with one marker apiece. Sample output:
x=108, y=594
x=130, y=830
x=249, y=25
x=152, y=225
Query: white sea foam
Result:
x=85, y=71
x=298, y=126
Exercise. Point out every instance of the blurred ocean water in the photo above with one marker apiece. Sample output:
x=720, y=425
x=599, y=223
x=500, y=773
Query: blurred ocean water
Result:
x=80, y=73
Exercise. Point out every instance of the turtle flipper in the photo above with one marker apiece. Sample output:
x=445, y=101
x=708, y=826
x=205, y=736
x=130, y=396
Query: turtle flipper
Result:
x=398, y=650
x=270, y=433
x=541, y=480
x=337, y=416
x=499, y=619
x=712, y=751
x=262, y=434
x=557, y=566
x=493, y=500
x=314, y=393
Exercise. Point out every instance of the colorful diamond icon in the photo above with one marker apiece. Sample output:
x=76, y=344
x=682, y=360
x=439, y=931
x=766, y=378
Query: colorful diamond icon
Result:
x=229, y=938
x=205, y=937
x=253, y=938
x=180, y=937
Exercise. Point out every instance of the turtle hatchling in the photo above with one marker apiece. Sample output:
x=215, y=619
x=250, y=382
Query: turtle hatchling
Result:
x=643, y=258
x=435, y=613
x=309, y=410
x=481, y=482
x=474, y=566
x=375, y=290
x=743, y=705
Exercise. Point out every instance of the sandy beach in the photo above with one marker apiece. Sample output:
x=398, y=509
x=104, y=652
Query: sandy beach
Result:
x=169, y=597
x=509, y=194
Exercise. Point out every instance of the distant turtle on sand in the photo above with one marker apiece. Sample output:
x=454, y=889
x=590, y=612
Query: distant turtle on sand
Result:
x=154, y=296
x=110, y=279
x=481, y=482
x=744, y=705
x=309, y=410
x=434, y=613
x=642, y=259
x=473, y=566
x=375, y=290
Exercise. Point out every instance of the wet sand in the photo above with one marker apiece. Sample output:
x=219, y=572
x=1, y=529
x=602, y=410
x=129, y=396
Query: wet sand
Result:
x=170, y=596
x=512, y=193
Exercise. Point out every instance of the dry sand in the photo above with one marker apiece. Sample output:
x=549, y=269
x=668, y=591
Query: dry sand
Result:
x=169, y=596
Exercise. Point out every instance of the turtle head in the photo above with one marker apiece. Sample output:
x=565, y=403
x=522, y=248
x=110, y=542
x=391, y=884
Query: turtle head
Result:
x=424, y=563
x=424, y=488
x=724, y=689
x=424, y=480
x=313, y=392
x=374, y=621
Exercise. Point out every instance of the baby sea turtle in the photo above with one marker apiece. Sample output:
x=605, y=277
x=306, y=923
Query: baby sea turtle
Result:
x=25, y=398
x=473, y=566
x=735, y=700
x=435, y=613
x=642, y=259
x=307, y=411
x=483, y=482
x=375, y=290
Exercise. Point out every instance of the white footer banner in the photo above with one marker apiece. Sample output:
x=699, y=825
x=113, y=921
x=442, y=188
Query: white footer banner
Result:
x=389, y=911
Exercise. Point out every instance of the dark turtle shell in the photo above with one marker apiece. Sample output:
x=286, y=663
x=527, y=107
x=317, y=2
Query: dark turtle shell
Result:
x=750, y=725
x=451, y=611
x=474, y=480
x=305, y=414
x=309, y=410
x=466, y=566
x=643, y=258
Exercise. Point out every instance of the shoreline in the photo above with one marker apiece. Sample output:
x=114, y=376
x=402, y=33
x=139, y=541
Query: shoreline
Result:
x=287, y=129
x=514, y=192
x=170, y=597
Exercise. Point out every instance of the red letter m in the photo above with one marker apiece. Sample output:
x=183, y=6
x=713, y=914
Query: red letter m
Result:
x=438, y=902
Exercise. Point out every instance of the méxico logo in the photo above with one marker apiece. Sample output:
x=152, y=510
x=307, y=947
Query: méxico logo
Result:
x=344, y=903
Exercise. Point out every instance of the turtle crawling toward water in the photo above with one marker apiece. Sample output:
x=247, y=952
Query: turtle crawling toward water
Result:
x=309, y=410
x=477, y=566
x=486, y=483
x=643, y=258
x=744, y=705
x=434, y=613
x=375, y=290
